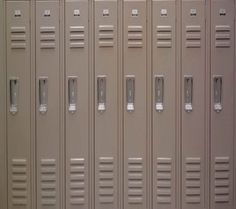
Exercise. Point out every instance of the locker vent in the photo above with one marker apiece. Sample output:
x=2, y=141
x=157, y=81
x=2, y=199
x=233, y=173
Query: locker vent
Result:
x=47, y=37
x=18, y=37
x=19, y=182
x=192, y=180
x=77, y=37
x=135, y=36
x=164, y=180
x=222, y=36
x=135, y=181
x=106, y=179
x=77, y=181
x=164, y=36
x=222, y=182
x=106, y=36
x=193, y=36
x=48, y=181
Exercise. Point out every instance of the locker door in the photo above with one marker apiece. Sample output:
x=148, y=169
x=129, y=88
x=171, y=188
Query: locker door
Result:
x=164, y=104
x=106, y=110
x=77, y=139
x=47, y=109
x=193, y=105
x=222, y=84
x=18, y=104
x=135, y=134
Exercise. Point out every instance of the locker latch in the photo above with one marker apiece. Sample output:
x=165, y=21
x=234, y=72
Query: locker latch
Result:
x=101, y=93
x=218, y=93
x=72, y=93
x=14, y=92
x=188, y=93
x=43, y=95
x=130, y=92
x=159, y=92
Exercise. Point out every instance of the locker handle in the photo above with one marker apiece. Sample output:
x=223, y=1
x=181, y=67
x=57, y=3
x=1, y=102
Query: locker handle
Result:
x=72, y=93
x=159, y=92
x=14, y=92
x=218, y=93
x=43, y=95
x=130, y=92
x=101, y=93
x=188, y=93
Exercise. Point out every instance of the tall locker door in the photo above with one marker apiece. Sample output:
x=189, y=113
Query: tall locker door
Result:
x=135, y=132
x=18, y=104
x=106, y=110
x=77, y=139
x=222, y=85
x=164, y=104
x=193, y=105
x=47, y=109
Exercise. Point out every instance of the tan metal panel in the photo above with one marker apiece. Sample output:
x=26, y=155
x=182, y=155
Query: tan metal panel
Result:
x=77, y=85
x=193, y=105
x=135, y=133
x=47, y=108
x=106, y=105
x=18, y=104
x=164, y=104
x=222, y=109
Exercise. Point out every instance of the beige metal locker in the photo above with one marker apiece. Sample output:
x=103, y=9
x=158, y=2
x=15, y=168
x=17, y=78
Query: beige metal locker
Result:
x=193, y=105
x=18, y=104
x=135, y=132
x=222, y=109
x=164, y=104
x=47, y=108
x=77, y=99
x=106, y=104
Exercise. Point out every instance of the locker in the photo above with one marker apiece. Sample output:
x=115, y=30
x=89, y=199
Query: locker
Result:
x=222, y=110
x=18, y=104
x=135, y=131
x=106, y=105
x=164, y=104
x=48, y=139
x=77, y=99
x=193, y=105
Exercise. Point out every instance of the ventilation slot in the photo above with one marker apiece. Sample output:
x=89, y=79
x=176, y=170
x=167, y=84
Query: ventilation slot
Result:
x=77, y=181
x=48, y=181
x=163, y=180
x=222, y=182
x=77, y=37
x=135, y=36
x=19, y=182
x=135, y=180
x=192, y=180
x=164, y=36
x=222, y=36
x=18, y=37
x=193, y=36
x=47, y=38
x=106, y=36
x=106, y=179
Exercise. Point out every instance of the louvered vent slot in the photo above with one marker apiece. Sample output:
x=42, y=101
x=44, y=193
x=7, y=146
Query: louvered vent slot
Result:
x=163, y=179
x=77, y=181
x=18, y=37
x=135, y=36
x=192, y=180
x=19, y=182
x=222, y=36
x=77, y=37
x=106, y=36
x=48, y=182
x=106, y=180
x=222, y=181
x=193, y=36
x=47, y=38
x=135, y=180
x=164, y=36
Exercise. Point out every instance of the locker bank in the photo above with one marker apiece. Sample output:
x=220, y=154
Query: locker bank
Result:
x=117, y=104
